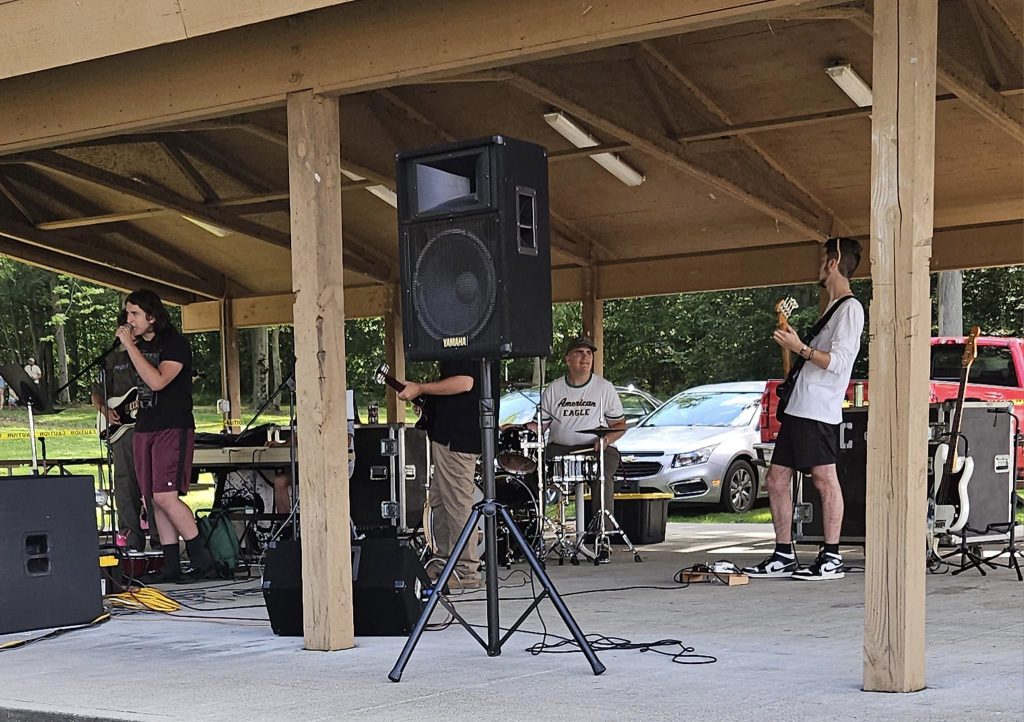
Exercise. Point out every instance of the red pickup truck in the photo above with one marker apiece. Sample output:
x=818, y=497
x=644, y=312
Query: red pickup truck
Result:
x=997, y=374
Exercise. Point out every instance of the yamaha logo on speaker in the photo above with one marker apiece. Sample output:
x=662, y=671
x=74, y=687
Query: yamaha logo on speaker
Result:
x=455, y=342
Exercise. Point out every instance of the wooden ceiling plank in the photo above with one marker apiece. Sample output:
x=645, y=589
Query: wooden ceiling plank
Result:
x=787, y=182
x=746, y=189
x=70, y=167
x=191, y=173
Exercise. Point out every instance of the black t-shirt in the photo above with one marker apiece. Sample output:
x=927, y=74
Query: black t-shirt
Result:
x=118, y=375
x=455, y=420
x=171, y=406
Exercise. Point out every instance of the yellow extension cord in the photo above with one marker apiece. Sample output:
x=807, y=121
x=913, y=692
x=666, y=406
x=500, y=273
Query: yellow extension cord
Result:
x=144, y=599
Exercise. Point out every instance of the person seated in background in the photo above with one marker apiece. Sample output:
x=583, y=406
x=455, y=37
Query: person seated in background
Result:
x=578, y=401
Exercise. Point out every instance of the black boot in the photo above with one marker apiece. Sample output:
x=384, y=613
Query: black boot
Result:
x=171, y=571
x=203, y=566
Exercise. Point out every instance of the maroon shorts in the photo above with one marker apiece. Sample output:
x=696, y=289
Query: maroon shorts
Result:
x=163, y=460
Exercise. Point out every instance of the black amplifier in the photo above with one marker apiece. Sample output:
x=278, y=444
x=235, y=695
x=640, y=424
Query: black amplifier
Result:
x=987, y=428
x=388, y=487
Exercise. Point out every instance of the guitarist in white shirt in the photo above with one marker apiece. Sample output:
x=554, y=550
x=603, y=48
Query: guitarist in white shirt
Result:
x=808, y=440
x=118, y=377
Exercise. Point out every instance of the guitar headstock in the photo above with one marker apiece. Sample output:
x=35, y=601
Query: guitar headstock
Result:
x=380, y=376
x=785, y=308
x=971, y=347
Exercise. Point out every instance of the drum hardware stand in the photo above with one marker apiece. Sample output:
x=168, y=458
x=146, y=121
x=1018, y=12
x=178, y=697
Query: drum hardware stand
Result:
x=560, y=545
x=597, y=526
x=490, y=510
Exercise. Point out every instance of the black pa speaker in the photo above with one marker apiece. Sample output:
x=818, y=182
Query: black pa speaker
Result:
x=386, y=581
x=852, y=468
x=475, y=251
x=49, y=553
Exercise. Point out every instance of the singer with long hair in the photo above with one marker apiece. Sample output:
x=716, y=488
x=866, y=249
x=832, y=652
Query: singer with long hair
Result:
x=165, y=428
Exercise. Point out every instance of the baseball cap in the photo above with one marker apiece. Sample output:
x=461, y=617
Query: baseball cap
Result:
x=580, y=342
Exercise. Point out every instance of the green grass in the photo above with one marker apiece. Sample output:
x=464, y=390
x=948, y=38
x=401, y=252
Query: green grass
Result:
x=757, y=515
x=83, y=418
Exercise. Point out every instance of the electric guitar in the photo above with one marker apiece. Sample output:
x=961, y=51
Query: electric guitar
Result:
x=952, y=504
x=382, y=376
x=783, y=310
x=127, y=407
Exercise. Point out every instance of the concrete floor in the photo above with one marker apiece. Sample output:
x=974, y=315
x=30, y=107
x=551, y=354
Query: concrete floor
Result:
x=785, y=651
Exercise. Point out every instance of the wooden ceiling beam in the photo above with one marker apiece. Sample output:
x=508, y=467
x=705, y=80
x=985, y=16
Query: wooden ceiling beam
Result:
x=777, y=174
x=91, y=272
x=231, y=167
x=68, y=198
x=644, y=66
x=748, y=189
x=96, y=254
x=340, y=50
x=10, y=195
x=965, y=84
x=191, y=173
x=56, y=163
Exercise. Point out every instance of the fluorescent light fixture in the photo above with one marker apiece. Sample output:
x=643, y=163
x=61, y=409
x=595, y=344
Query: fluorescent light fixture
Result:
x=850, y=83
x=582, y=139
x=383, y=192
x=208, y=227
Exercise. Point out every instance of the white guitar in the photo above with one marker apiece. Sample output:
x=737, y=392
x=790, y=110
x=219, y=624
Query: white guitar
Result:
x=952, y=503
x=127, y=407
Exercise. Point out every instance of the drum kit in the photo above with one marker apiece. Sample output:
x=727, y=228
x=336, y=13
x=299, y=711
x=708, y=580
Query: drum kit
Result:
x=538, y=491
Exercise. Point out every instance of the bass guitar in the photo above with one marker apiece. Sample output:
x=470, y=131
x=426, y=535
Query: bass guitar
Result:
x=783, y=311
x=952, y=504
x=382, y=376
x=127, y=407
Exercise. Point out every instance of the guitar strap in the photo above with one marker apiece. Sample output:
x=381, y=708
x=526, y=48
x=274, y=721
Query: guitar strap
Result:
x=794, y=371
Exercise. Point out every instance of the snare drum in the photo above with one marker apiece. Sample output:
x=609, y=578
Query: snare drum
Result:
x=571, y=469
x=514, y=450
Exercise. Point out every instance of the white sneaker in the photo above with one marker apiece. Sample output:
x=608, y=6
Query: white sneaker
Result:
x=776, y=566
x=826, y=567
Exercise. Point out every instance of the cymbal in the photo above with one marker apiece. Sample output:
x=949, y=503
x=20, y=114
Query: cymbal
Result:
x=600, y=431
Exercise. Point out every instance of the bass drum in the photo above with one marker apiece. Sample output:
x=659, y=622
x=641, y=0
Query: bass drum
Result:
x=521, y=501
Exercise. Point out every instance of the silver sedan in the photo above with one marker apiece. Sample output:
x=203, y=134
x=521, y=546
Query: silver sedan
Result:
x=699, y=446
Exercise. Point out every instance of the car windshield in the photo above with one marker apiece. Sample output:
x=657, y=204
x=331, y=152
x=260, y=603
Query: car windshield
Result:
x=517, y=407
x=706, y=408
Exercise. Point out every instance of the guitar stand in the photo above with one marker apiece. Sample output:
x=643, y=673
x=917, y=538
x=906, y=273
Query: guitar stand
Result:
x=970, y=557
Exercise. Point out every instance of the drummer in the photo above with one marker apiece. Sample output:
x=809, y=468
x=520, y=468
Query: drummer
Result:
x=582, y=400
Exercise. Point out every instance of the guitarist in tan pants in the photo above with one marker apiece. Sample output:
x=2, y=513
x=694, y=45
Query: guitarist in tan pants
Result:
x=118, y=379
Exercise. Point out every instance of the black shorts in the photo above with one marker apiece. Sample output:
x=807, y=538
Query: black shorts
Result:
x=803, y=443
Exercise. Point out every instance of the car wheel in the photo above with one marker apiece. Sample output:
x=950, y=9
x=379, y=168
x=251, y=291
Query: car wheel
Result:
x=739, y=487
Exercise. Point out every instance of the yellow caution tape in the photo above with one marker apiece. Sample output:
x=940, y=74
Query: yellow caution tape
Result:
x=47, y=433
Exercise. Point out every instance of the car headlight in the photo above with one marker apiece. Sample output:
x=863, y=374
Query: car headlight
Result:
x=692, y=458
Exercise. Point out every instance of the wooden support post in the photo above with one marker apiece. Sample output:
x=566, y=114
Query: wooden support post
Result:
x=394, y=351
x=230, y=377
x=593, y=317
x=902, y=183
x=314, y=177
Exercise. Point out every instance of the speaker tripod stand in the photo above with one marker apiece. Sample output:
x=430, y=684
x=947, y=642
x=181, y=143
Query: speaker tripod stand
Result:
x=598, y=526
x=490, y=510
